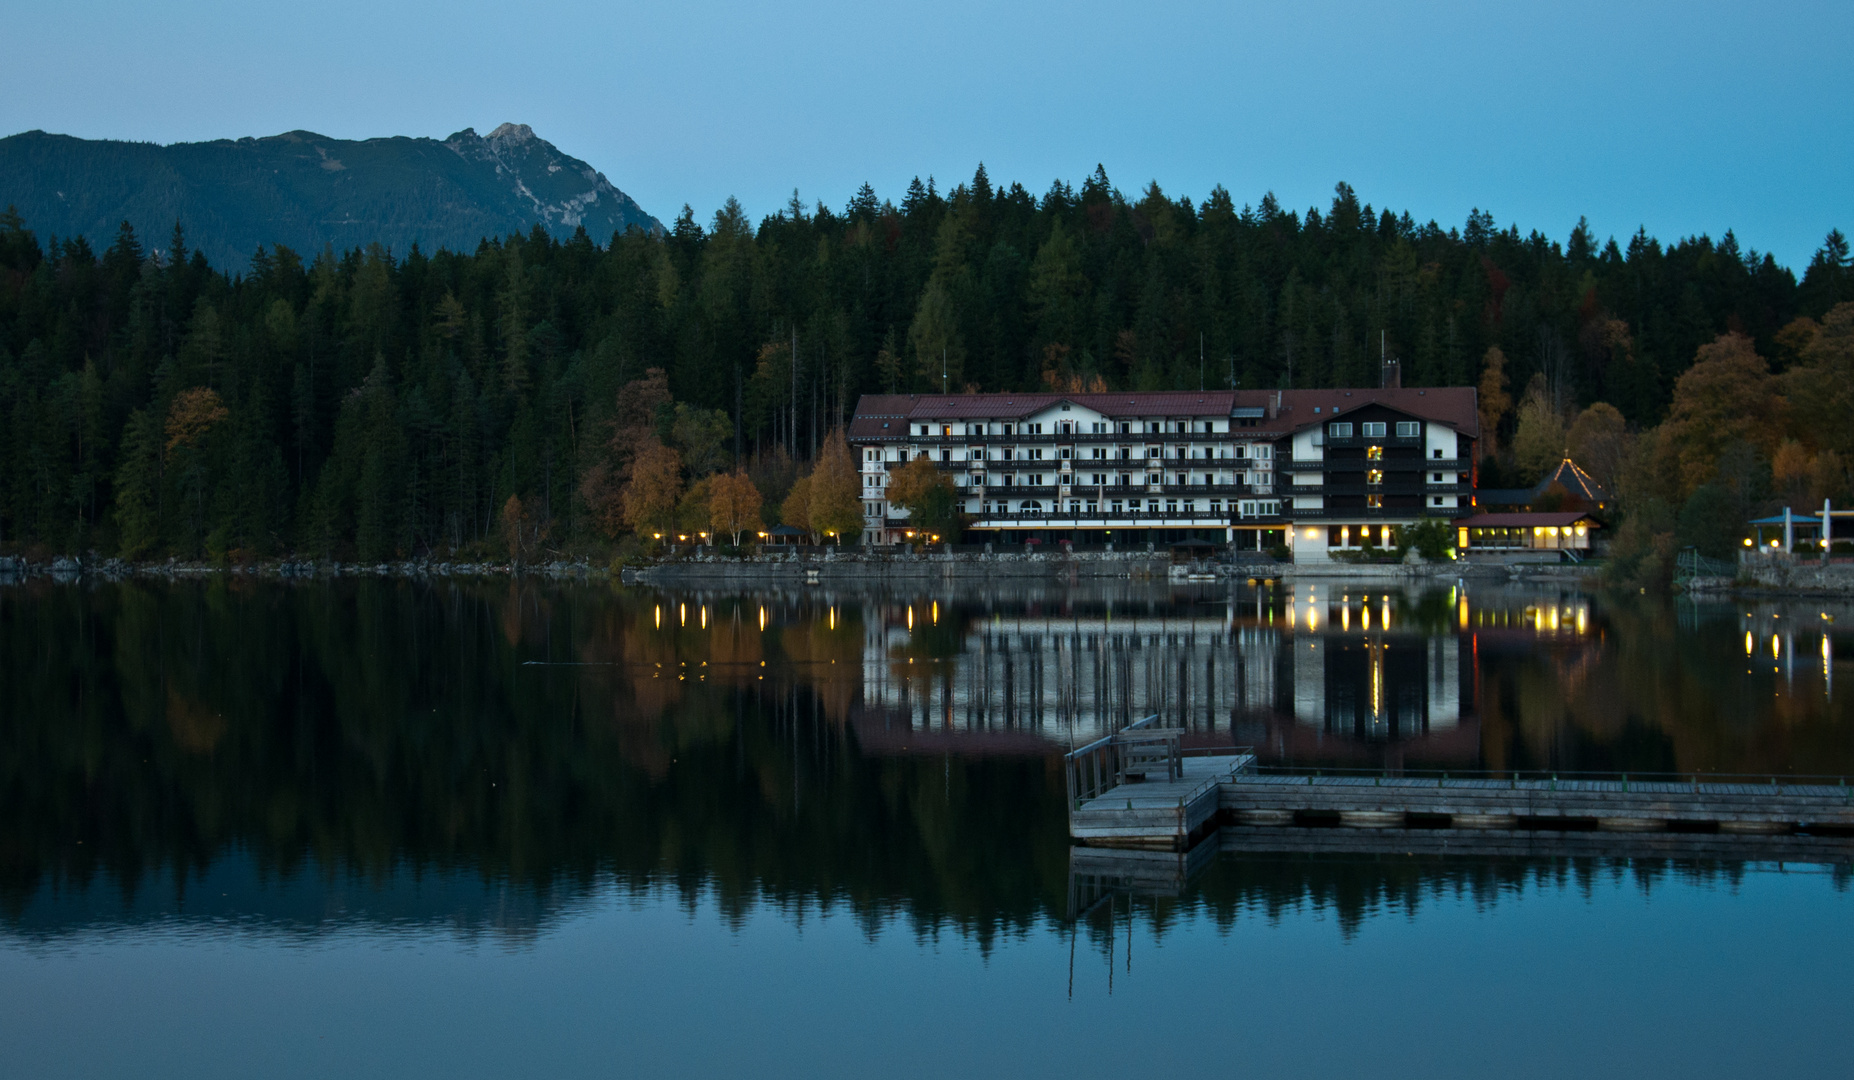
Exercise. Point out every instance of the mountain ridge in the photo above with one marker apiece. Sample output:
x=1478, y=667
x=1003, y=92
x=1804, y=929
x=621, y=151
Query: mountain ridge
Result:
x=306, y=190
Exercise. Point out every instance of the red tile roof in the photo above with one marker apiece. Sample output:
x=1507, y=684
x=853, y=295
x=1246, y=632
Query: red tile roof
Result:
x=1284, y=411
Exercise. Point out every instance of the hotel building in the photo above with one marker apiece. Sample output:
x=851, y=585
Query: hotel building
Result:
x=1315, y=470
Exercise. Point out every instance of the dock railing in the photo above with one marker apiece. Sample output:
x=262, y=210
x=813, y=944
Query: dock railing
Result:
x=1137, y=750
x=1774, y=783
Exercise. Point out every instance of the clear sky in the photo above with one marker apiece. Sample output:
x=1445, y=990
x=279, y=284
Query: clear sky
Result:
x=1684, y=117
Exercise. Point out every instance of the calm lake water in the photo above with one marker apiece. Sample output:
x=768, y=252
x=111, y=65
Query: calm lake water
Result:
x=387, y=828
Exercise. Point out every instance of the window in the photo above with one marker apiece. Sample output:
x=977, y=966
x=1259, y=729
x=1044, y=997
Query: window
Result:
x=1099, y=453
x=1437, y=501
x=1339, y=431
x=1007, y=453
x=1374, y=476
x=1263, y=453
x=1408, y=429
x=1374, y=502
x=1374, y=453
x=1209, y=480
x=1152, y=506
x=1065, y=453
x=1374, y=429
x=1436, y=453
x=1181, y=479
x=1126, y=478
x=1126, y=428
x=1036, y=454
x=1036, y=479
x=1099, y=479
x=1178, y=427
x=1242, y=451
x=1093, y=507
x=1126, y=453
x=1031, y=506
x=1216, y=506
x=1066, y=427
x=1114, y=506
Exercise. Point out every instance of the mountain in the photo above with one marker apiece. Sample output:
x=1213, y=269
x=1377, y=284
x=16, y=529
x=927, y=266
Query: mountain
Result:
x=305, y=190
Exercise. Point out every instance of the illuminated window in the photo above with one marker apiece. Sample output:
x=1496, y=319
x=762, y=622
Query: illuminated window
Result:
x=1374, y=453
x=1374, y=476
x=1374, y=502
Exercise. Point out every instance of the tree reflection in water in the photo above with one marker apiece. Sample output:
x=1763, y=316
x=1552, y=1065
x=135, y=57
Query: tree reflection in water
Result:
x=429, y=750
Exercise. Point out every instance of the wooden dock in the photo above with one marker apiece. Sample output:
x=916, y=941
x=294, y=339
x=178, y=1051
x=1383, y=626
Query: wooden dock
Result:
x=1138, y=789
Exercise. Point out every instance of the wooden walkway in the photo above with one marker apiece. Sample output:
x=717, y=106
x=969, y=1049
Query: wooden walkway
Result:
x=1158, y=813
x=1134, y=790
x=1620, y=805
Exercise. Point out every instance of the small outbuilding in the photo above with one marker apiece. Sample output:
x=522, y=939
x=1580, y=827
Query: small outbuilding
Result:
x=1563, y=530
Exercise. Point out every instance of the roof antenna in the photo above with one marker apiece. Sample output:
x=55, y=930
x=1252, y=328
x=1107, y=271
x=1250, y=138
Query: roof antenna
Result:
x=943, y=369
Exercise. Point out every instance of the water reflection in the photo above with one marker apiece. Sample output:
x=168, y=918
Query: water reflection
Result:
x=353, y=747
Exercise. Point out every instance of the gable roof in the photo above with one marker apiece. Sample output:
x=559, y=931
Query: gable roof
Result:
x=1278, y=412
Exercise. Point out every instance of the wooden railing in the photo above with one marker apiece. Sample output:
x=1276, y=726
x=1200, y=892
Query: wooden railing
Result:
x=1140, y=750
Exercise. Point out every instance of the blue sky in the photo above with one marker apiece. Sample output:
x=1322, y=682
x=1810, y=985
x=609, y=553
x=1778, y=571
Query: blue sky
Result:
x=1682, y=117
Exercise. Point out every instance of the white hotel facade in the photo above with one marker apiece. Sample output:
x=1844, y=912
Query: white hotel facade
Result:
x=1315, y=470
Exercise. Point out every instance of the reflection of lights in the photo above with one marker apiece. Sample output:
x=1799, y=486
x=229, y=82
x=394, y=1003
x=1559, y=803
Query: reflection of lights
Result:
x=659, y=616
x=1345, y=616
x=910, y=617
x=936, y=612
x=1749, y=648
x=1313, y=618
x=762, y=617
x=704, y=616
x=1583, y=619
x=682, y=611
x=1384, y=613
x=1364, y=612
x=1461, y=610
x=833, y=618
x=1776, y=646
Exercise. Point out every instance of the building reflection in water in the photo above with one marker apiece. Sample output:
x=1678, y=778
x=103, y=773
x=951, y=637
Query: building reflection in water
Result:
x=1306, y=674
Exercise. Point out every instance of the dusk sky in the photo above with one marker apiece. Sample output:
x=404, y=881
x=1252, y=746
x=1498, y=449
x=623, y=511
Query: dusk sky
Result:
x=1681, y=117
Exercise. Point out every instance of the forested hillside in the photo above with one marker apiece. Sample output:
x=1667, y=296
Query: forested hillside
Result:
x=360, y=404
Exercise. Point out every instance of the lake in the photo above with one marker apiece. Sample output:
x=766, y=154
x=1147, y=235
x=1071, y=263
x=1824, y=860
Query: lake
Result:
x=385, y=827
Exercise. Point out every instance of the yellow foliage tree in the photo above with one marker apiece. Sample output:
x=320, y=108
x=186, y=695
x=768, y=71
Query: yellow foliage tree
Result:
x=796, y=509
x=649, y=498
x=836, y=506
x=733, y=504
x=1598, y=441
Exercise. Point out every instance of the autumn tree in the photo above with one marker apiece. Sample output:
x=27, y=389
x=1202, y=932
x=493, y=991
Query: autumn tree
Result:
x=633, y=427
x=1539, y=440
x=835, y=499
x=927, y=494
x=733, y=504
x=1726, y=398
x=650, y=495
x=796, y=509
x=1598, y=441
x=522, y=530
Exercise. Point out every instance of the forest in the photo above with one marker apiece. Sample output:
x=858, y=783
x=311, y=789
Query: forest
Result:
x=538, y=395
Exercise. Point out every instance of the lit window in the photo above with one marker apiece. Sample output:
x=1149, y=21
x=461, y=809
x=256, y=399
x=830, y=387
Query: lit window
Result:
x=1374, y=476
x=1374, y=453
x=1374, y=502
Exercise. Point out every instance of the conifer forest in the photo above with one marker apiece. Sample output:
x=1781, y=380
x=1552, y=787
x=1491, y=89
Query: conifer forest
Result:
x=373, y=404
